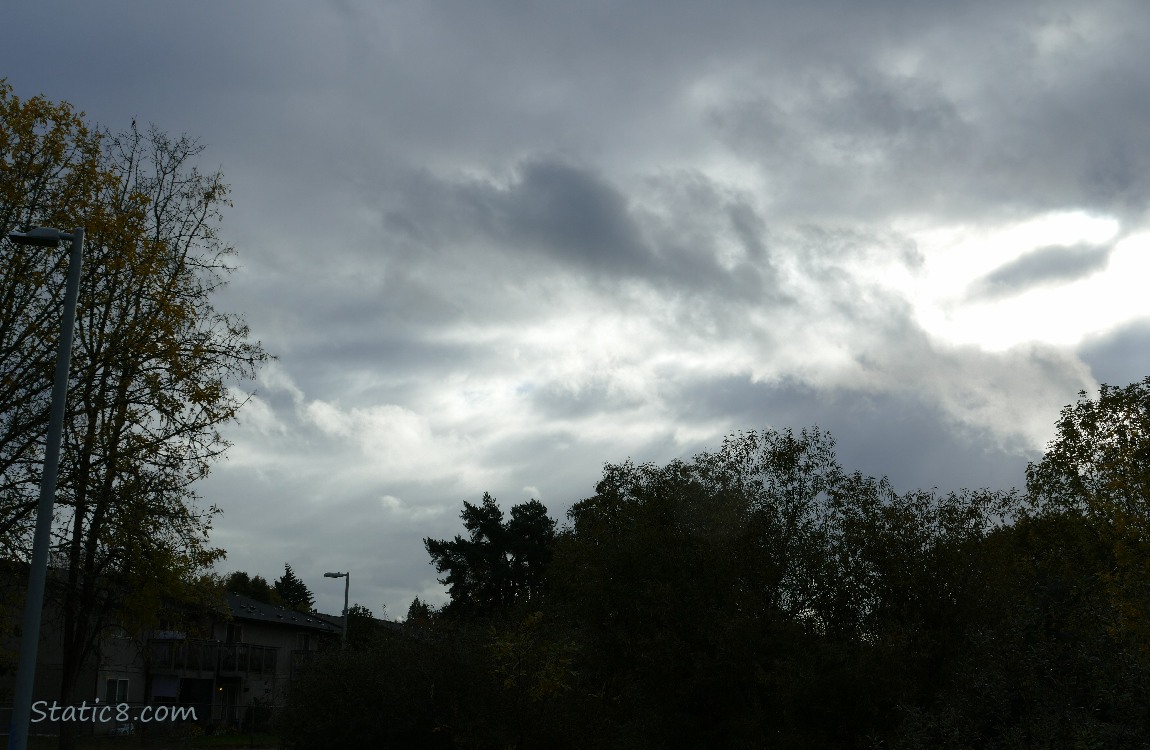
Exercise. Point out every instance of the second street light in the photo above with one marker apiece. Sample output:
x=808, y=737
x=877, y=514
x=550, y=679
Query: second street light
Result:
x=346, y=585
x=38, y=570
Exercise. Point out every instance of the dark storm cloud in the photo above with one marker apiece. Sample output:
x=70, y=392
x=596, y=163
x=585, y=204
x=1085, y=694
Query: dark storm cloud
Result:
x=710, y=240
x=851, y=141
x=571, y=213
x=1119, y=357
x=897, y=435
x=1046, y=265
x=552, y=215
x=984, y=120
x=751, y=230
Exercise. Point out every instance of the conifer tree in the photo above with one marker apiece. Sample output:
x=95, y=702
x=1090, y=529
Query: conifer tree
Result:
x=293, y=592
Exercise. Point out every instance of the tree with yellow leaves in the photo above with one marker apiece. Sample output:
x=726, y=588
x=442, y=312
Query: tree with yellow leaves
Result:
x=153, y=365
x=1098, y=467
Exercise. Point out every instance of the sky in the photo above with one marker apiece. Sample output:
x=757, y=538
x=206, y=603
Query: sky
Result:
x=494, y=245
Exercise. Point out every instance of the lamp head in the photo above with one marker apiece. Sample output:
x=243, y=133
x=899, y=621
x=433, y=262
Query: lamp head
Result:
x=334, y=575
x=39, y=236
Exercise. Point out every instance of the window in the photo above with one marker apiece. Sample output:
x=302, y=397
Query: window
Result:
x=235, y=633
x=116, y=691
x=303, y=641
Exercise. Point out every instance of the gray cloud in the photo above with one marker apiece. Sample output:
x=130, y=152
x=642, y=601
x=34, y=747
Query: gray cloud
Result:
x=568, y=212
x=1046, y=265
x=561, y=218
x=497, y=244
x=1120, y=356
x=881, y=434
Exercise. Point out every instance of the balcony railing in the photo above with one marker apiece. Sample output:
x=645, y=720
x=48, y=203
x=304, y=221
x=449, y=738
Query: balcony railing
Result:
x=212, y=657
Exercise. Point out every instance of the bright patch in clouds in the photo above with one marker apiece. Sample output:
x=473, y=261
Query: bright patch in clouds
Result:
x=399, y=443
x=394, y=506
x=1051, y=313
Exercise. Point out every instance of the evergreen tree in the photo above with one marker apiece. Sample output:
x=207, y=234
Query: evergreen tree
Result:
x=293, y=592
x=502, y=562
x=419, y=613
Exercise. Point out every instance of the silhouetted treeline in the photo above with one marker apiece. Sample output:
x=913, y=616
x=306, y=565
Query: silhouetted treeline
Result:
x=286, y=591
x=761, y=596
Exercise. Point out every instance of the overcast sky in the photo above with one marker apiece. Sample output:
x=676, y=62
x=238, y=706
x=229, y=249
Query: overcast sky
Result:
x=497, y=244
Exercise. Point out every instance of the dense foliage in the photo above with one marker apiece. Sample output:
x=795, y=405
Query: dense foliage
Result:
x=254, y=587
x=153, y=362
x=762, y=596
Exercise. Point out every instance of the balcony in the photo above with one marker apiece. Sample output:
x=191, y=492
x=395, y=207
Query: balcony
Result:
x=247, y=658
x=203, y=658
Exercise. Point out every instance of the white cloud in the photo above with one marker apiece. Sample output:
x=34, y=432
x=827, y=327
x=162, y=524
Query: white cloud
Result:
x=394, y=506
x=275, y=378
x=1060, y=315
x=258, y=414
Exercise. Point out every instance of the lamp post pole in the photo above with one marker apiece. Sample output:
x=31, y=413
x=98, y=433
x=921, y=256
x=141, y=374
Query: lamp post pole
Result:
x=346, y=585
x=38, y=572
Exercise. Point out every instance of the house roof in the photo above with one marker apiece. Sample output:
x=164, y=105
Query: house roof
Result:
x=245, y=608
x=337, y=621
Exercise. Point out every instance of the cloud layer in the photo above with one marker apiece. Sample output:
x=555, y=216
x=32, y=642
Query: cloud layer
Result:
x=495, y=245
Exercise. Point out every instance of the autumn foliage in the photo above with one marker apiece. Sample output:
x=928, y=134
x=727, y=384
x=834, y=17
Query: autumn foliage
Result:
x=154, y=364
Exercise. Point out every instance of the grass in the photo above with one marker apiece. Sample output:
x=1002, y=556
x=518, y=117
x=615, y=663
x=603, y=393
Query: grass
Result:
x=257, y=740
x=237, y=740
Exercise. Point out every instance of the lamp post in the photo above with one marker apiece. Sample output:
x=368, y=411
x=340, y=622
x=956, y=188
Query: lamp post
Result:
x=38, y=572
x=346, y=585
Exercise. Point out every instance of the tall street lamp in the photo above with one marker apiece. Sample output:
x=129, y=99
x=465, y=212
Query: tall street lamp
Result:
x=38, y=573
x=346, y=585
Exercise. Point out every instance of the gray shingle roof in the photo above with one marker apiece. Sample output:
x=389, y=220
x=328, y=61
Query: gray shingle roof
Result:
x=245, y=608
